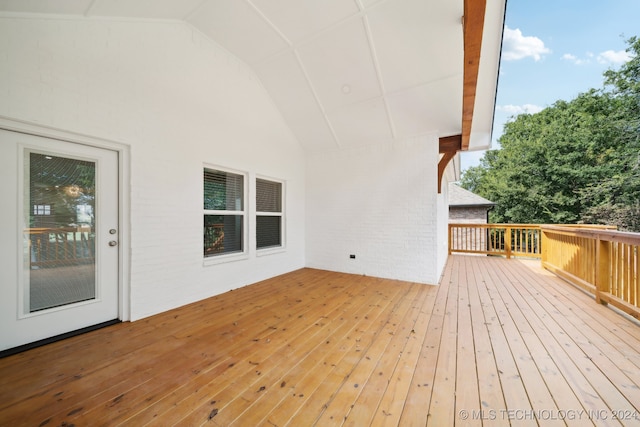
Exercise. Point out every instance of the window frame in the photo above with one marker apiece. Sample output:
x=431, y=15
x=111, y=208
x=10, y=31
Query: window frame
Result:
x=244, y=213
x=267, y=250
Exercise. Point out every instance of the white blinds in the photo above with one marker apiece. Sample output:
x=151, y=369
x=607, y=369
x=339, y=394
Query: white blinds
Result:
x=223, y=212
x=269, y=214
x=268, y=196
x=223, y=191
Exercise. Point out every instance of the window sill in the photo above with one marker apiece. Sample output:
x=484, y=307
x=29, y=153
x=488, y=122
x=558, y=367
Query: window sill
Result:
x=223, y=259
x=271, y=251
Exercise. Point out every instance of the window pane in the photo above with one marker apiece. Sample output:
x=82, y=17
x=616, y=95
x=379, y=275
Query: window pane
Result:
x=222, y=234
x=59, y=245
x=268, y=231
x=268, y=196
x=223, y=191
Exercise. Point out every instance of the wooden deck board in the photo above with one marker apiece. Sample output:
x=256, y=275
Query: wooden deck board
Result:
x=525, y=347
x=595, y=371
x=421, y=388
x=489, y=387
x=366, y=381
x=467, y=384
x=507, y=344
x=583, y=376
x=442, y=406
x=558, y=387
x=498, y=342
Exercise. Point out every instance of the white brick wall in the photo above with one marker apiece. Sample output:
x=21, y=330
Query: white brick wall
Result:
x=378, y=203
x=442, y=228
x=179, y=101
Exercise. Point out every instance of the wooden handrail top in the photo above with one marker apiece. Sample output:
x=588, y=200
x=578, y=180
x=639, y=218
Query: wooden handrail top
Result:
x=608, y=234
x=581, y=226
x=504, y=225
x=496, y=225
x=43, y=230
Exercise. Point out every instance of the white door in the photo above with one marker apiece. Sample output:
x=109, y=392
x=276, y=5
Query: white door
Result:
x=59, y=248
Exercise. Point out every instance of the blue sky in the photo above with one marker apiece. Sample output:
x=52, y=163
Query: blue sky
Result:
x=556, y=49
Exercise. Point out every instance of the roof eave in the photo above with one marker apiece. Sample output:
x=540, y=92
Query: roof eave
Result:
x=483, y=30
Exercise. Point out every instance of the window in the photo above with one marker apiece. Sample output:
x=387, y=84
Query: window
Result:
x=224, y=213
x=40, y=210
x=269, y=214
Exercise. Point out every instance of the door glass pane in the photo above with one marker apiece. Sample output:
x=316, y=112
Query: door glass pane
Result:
x=59, y=243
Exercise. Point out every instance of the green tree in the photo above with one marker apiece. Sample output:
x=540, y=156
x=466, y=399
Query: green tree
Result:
x=575, y=161
x=615, y=199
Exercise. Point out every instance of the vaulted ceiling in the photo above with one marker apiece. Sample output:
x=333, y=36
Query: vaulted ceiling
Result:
x=342, y=72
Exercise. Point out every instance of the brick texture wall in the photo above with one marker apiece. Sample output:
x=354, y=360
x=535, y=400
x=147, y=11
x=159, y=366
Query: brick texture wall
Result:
x=178, y=101
x=470, y=215
x=379, y=204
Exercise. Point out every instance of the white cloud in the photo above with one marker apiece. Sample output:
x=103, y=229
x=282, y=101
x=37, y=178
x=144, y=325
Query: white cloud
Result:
x=514, y=110
x=614, y=57
x=572, y=58
x=516, y=46
x=608, y=57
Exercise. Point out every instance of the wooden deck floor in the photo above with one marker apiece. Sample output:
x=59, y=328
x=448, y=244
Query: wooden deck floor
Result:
x=499, y=342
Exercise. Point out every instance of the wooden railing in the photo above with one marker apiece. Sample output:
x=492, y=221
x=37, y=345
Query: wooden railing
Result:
x=510, y=240
x=605, y=263
x=213, y=239
x=495, y=239
x=53, y=247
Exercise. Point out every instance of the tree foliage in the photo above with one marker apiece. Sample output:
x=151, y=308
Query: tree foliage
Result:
x=575, y=161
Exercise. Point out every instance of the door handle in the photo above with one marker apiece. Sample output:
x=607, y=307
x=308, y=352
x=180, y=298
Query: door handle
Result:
x=113, y=243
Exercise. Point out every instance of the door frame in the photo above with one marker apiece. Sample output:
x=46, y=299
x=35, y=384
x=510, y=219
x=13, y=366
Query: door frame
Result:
x=124, y=194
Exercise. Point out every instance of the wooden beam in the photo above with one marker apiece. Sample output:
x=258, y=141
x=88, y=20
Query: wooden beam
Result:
x=473, y=27
x=450, y=143
x=449, y=146
x=474, y=11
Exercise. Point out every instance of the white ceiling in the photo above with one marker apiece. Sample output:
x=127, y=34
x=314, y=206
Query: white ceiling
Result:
x=342, y=72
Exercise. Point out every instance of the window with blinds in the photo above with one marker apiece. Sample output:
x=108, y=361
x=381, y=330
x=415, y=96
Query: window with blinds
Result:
x=269, y=214
x=224, y=213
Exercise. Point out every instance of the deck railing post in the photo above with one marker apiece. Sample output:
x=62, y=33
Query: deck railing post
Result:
x=507, y=241
x=603, y=269
x=543, y=246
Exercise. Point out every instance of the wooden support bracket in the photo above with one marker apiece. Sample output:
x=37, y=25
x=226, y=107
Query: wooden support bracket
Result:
x=449, y=146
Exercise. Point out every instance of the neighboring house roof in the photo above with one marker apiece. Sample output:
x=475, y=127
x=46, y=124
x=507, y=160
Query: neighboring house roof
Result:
x=460, y=198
